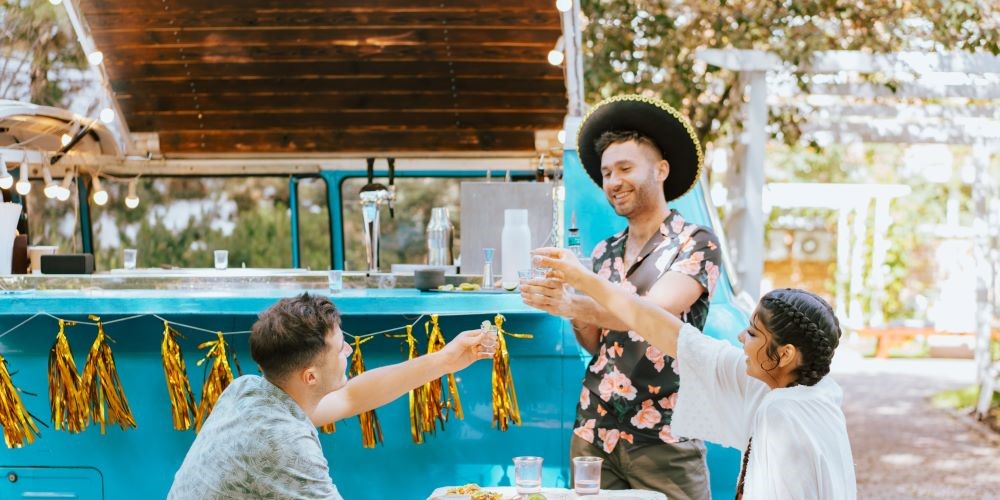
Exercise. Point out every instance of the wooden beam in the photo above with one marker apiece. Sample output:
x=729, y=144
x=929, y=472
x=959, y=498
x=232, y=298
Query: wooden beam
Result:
x=234, y=51
x=345, y=36
x=442, y=101
x=321, y=140
x=359, y=120
x=120, y=70
x=294, y=84
x=104, y=6
x=218, y=17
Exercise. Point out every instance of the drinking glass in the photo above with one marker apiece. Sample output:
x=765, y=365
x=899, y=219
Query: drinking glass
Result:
x=587, y=475
x=335, y=280
x=221, y=259
x=129, y=259
x=528, y=474
x=489, y=341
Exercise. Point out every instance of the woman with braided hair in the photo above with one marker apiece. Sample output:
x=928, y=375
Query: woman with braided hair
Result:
x=772, y=399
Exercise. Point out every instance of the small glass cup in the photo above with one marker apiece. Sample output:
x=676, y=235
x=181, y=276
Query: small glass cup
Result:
x=490, y=340
x=335, y=280
x=221, y=259
x=540, y=272
x=523, y=276
x=129, y=258
x=528, y=474
x=587, y=475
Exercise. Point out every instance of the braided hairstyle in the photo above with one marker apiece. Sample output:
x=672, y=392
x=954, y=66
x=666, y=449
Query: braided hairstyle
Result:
x=806, y=321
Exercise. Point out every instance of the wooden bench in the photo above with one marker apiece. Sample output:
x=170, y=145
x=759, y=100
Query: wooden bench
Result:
x=891, y=337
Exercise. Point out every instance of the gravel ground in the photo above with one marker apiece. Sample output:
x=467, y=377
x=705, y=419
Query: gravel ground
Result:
x=905, y=448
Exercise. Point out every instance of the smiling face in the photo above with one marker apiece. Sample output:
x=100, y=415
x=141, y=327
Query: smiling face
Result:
x=633, y=175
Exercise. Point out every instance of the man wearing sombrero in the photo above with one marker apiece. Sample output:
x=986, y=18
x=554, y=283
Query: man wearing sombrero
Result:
x=643, y=154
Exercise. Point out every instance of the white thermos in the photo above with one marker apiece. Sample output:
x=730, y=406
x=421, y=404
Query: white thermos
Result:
x=515, y=240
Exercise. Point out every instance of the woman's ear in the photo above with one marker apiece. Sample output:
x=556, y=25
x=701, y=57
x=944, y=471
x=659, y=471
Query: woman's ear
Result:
x=789, y=357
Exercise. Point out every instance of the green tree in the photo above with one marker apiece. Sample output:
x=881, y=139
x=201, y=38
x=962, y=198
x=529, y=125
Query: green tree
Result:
x=37, y=40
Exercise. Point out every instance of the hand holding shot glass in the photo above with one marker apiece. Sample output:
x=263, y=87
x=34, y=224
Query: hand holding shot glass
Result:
x=490, y=339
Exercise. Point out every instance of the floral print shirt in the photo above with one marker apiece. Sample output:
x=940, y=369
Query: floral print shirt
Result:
x=630, y=387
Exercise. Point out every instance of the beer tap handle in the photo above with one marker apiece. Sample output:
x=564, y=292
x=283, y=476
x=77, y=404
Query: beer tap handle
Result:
x=392, y=187
x=371, y=170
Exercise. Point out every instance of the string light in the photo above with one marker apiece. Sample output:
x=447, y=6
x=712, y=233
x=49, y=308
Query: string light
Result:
x=561, y=136
x=564, y=5
x=64, y=140
x=100, y=195
x=556, y=56
x=107, y=115
x=63, y=193
x=23, y=185
x=6, y=180
x=55, y=2
x=132, y=200
x=51, y=188
x=95, y=58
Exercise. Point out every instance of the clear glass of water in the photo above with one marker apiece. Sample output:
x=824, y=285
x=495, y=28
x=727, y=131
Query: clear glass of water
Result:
x=221, y=259
x=335, y=280
x=528, y=474
x=587, y=475
x=490, y=340
x=129, y=258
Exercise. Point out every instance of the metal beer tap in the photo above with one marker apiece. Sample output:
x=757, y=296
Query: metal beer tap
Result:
x=372, y=196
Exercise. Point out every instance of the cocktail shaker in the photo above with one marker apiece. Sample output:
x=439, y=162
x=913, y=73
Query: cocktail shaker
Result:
x=440, y=238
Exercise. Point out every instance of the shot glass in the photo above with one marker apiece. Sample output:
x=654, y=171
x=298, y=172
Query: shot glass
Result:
x=528, y=474
x=540, y=272
x=490, y=340
x=524, y=275
x=587, y=475
x=221, y=259
x=129, y=258
x=335, y=280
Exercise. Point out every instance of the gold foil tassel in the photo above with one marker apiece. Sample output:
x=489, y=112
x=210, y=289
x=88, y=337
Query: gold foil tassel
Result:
x=102, y=387
x=449, y=401
x=432, y=413
x=505, y=408
x=417, y=396
x=218, y=378
x=371, y=429
x=183, y=409
x=329, y=428
x=18, y=427
x=67, y=400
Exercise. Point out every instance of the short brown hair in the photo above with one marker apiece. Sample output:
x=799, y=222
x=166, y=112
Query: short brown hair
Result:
x=291, y=333
x=619, y=136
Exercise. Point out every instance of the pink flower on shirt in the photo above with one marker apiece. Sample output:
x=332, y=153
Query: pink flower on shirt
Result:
x=617, y=383
x=691, y=265
x=586, y=431
x=619, y=267
x=615, y=351
x=601, y=361
x=713, y=276
x=676, y=224
x=605, y=271
x=668, y=402
x=656, y=357
x=635, y=337
x=647, y=417
x=666, y=436
x=584, y=398
x=599, y=250
x=610, y=438
x=675, y=367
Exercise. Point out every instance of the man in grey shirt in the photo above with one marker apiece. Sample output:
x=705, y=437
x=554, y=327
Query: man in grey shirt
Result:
x=260, y=440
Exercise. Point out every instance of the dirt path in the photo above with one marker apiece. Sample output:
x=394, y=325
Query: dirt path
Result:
x=903, y=447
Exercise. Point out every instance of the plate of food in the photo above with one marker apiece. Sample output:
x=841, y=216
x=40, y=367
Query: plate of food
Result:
x=468, y=288
x=470, y=491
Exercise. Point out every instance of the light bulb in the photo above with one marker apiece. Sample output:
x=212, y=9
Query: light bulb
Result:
x=51, y=188
x=561, y=136
x=555, y=57
x=107, y=115
x=64, y=140
x=23, y=185
x=6, y=180
x=132, y=200
x=95, y=58
x=63, y=193
x=100, y=195
x=55, y=2
x=564, y=5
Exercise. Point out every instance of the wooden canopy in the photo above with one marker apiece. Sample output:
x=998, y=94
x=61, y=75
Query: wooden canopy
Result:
x=309, y=76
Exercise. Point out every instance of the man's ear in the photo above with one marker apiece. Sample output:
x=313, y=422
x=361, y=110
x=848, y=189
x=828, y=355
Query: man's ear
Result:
x=309, y=376
x=662, y=170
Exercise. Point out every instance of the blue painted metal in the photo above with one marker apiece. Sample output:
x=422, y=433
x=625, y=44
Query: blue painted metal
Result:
x=293, y=208
x=140, y=463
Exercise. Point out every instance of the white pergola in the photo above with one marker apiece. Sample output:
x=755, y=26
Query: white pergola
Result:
x=973, y=80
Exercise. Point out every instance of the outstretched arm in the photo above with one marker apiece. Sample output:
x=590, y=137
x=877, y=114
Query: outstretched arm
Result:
x=379, y=386
x=659, y=327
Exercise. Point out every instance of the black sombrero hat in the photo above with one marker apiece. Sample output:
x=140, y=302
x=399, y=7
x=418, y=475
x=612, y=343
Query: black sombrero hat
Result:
x=650, y=117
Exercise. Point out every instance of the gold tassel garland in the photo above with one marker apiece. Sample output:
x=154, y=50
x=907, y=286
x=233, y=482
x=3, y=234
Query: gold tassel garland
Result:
x=371, y=429
x=450, y=401
x=505, y=408
x=218, y=378
x=417, y=396
x=67, y=400
x=18, y=427
x=432, y=413
x=101, y=386
x=183, y=409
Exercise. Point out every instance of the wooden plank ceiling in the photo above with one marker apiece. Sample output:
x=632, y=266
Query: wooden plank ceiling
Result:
x=278, y=76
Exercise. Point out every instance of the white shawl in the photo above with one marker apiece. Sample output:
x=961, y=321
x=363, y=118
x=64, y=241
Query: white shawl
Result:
x=800, y=445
